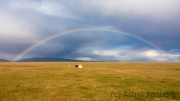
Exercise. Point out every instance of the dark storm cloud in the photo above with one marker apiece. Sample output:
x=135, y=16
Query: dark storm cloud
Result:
x=95, y=46
x=150, y=19
x=69, y=43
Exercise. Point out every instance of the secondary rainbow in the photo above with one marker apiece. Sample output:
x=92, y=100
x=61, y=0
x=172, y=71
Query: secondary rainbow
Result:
x=24, y=52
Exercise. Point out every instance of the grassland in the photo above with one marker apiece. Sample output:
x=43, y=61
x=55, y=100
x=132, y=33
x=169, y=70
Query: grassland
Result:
x=56, y=81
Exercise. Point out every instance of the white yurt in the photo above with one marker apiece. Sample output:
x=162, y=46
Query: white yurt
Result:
x=79, y=66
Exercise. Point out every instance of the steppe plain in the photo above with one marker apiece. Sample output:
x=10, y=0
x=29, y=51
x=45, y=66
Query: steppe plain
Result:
x=96, y=81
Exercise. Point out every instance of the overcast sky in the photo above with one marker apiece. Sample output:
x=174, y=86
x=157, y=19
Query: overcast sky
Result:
x=153, y=28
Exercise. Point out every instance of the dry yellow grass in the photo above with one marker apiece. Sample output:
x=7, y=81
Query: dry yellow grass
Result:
x=96, y=81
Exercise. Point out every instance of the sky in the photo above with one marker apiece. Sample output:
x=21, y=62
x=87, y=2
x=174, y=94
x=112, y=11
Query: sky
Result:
x=91, y=30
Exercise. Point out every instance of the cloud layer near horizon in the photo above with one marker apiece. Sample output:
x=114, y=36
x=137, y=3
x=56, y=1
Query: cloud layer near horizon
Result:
x=26, y=22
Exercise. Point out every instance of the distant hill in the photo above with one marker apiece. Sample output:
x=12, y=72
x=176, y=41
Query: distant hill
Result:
x=3, y=60
x=47, y=59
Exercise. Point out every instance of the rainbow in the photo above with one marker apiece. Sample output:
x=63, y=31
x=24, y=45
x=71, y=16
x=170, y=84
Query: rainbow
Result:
x=24, y=52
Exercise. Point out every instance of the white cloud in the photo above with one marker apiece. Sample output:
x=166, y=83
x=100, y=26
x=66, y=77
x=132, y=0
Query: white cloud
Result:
x=129, y=54
x=84, y=58
x=15, y=29
x=150, y=53
x=153, y=55
x=122, y=53
x=106, y=52
x=56, y=9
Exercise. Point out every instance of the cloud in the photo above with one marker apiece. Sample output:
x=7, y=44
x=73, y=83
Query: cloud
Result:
x=47, y=7
x=157, y=21
x=98, y=46
x=129, y=54
x=154, y=55
x=160, y=56
x=22, y=4
x=160, y=9
x=14, y=29
x=54, y=9
x=84, y=58
x=15, y=34
x=26, y=22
